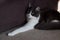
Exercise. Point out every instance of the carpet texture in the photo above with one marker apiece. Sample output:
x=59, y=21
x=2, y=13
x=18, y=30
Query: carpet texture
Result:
x=34, y=35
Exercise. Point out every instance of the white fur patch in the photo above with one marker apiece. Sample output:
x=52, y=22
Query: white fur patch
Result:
x=25, y=28
x=55, y=21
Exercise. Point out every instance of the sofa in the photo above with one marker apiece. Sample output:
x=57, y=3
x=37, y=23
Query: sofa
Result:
x=12, y=12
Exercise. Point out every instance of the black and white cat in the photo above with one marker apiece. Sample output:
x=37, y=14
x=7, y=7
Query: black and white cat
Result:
x=36, y=15
x=33, y=16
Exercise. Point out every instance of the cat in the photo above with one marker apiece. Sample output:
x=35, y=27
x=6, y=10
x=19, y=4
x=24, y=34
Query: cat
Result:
x=33, y=16
x=39, y=19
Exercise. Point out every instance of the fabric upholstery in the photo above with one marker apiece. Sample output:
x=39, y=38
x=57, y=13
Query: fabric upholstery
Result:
x=12, y=12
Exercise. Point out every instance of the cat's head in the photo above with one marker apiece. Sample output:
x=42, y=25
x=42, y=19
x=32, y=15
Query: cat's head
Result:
x=33, y=11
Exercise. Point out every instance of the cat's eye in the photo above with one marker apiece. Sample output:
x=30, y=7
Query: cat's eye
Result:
x=32, y=13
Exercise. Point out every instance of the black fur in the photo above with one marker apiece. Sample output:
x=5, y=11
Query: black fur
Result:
x=47, y=15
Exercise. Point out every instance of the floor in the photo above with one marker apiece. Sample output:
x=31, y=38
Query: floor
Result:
x=33, y=35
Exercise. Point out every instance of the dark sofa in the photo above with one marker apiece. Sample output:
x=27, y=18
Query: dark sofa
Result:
x=12, y=12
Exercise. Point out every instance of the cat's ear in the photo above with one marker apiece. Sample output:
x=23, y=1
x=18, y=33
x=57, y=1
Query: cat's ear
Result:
x=37, y=9
x=29, y=7
x=29, y=4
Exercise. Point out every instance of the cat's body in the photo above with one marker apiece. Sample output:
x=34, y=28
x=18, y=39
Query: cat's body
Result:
x=35, y=16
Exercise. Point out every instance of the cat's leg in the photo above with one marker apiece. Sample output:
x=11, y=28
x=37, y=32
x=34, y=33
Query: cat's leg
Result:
x=26, y=27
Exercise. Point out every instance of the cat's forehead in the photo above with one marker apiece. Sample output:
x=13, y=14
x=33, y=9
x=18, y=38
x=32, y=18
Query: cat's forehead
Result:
x=33, y=7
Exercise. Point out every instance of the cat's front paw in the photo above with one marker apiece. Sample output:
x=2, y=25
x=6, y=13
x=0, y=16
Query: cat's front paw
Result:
x=10, y=34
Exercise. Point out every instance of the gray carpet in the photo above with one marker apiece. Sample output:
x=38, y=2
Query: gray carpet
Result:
x=34, y=35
